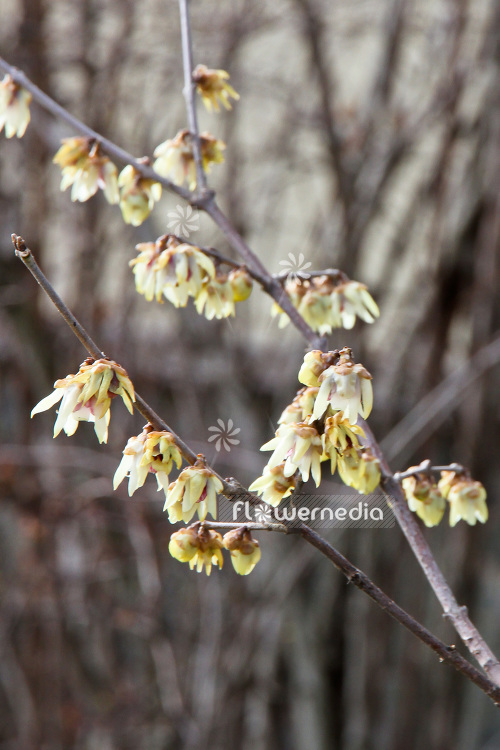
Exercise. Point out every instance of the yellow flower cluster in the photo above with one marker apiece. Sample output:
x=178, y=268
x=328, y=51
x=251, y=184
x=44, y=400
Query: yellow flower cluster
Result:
x=175, y=157
x=87, y=396
x=137, y=195
x=152, y=452
x=202, y=548
x=320, y=425
x=86, y=170
x=14, y=108
x=466, y=497
x=177, y=271
x=325, y=304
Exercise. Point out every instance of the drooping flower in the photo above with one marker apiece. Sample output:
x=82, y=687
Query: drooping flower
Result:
x=273, y=485
x=359, y=469
x=213, y=87
x=86, y=170
x=150, y=452
x=175, y=157
x=301, y=408
x=14, y=108
x=424, y=498
x=195, y=489
x=299, y=446
x=315, y=362
x=327, y=303
x=167, y=268
x=138, y=195
x=241, y=283
x=345, y=386
x=87, y=396
x=467, y=498
x=216, y=298
x=244, y=549
x=339, y=435
x=198, y=546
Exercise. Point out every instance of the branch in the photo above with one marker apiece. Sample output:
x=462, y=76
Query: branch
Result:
x=360, y=579
x=189, y=92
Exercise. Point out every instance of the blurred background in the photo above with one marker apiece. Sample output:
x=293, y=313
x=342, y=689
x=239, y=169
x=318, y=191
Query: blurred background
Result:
x=366, y=138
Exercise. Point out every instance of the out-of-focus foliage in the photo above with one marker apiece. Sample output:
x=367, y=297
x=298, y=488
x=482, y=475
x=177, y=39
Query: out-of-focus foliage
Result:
x=366, y=138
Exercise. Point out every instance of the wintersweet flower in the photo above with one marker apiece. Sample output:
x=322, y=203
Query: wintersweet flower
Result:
x=138, y=195
x=244, y=549
x=152, y=452
x=301, y=408
x=167, y=268
x=200, y=547
x=345, y=386
x=355, y=300
x=359, y=469
x=14, y=108
x=299, y=446
x=86, y=170
x=241, y=284
x=175, y=157
x=213, y=87
x=467, y=498
x=273, y=485
x=339, y=435
x=424, y=498
x=195, y=489
x=216, y=298
x=315, y=362
x=87, y=396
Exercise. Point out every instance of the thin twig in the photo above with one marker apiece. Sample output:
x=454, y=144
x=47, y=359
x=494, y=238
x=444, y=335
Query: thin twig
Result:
x=111, y=148
x=189, y=92
x=359, y=579
x=426, y=468
x=280, y=527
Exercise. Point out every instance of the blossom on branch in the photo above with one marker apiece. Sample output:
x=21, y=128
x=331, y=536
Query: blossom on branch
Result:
x=87, y=396
x=424, y=498
x=175, y=157
x=358, y=468
x=273, y=485
x=299, y=446
x=467, y=498
x=138, y=195
x=200, y=547
x=339, y=435
x=244, y=549
x=195, y=489
x=345, y=386
x=216, y=298
x=86, y=170
x=152, y=452
x=14, y=108
x=213, y=87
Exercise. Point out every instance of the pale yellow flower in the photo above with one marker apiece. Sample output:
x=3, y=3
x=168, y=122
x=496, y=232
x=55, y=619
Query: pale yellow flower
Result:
x=138, y=195
x=315, y=362
x=166, y=268
x=216, y=298
x=86, y=170
x=195, y=489
x=359, y=469
x=87, y=396
x=424, y=498
x=301, y=408
x=273, y=485
x=244, y=549
x=299, y=446
x=339, y=435
x=345, y=386
x=200, y=547
x=14, y=108
x=241, y=283
x=213, y=87
x=175, y=157
x=150, y=452
x=467, y=498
